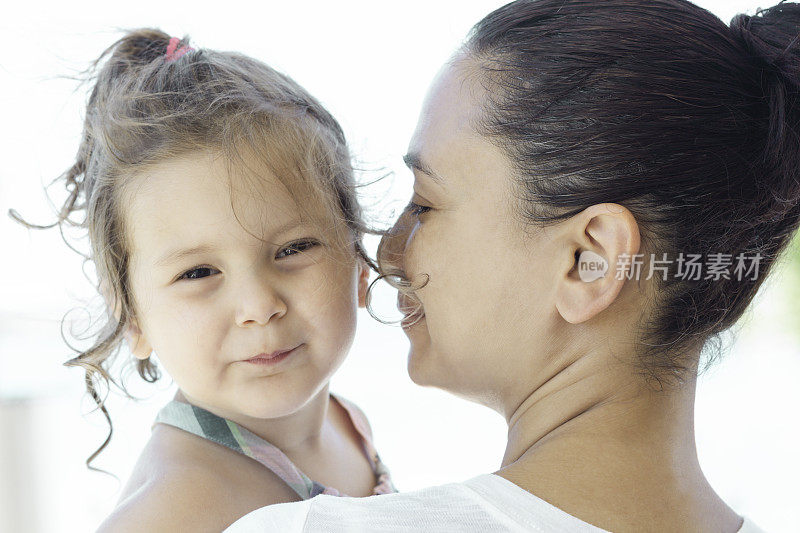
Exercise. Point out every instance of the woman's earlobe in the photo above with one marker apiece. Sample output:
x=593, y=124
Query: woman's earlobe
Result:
x=599, y=237
x=587, y=289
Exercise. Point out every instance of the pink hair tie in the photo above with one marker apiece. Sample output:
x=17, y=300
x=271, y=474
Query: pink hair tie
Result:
x=173, y=54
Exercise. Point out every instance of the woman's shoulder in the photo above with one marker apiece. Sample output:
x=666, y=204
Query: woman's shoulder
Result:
x=183, y=483
x=487, y=502
x=449, y=507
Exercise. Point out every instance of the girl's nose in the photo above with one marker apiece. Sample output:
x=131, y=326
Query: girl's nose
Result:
x=259, y=302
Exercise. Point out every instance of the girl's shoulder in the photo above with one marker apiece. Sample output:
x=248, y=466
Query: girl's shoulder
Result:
x=182, y=482
x=357, y=416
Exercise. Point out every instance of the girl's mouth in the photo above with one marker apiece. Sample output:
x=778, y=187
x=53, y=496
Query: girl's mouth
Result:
x=271, y=359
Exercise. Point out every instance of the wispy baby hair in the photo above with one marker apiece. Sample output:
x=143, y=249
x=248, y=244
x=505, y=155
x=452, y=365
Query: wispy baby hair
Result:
x=155, y=98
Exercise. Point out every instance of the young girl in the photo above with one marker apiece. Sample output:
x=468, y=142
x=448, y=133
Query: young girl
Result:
x=219, y=201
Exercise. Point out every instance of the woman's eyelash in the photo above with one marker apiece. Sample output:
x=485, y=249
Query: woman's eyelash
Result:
x=288, y=251
x=416, y=209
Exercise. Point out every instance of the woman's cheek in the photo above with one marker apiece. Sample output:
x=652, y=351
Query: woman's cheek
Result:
x=419, y=253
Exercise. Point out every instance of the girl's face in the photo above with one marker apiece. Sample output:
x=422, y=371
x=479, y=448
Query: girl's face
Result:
x=209, y=294
x=487, y=300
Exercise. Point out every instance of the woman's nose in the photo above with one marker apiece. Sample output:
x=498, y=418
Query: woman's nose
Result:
x=394, y=242
x=259, y=302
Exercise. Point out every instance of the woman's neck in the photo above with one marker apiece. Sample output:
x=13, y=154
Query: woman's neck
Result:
x=612, y=451
x=591, y=398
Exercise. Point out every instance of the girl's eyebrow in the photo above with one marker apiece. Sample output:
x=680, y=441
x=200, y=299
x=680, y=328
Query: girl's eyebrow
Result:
x=181, y=253
x=414, y=161
x=176, y=255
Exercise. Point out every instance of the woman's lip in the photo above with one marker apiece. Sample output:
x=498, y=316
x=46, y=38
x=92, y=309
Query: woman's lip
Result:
x=412, y=310
x=406, y=305
x=412, y=320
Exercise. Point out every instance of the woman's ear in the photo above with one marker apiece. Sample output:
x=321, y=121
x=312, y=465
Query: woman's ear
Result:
x=137, y=343
x=602, y=236
x=363, y=282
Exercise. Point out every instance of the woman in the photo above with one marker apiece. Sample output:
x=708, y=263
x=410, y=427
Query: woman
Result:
x=600, y=190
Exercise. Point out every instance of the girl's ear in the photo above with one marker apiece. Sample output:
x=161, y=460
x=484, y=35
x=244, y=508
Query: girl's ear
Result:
x=363, y=282
x=137, y=343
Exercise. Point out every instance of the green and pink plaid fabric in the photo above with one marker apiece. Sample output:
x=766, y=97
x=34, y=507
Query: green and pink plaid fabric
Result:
x=205, y=424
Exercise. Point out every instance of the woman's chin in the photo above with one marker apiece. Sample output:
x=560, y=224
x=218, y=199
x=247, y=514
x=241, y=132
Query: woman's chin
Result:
x=424, y=364
x=416, y=370
x=419, y=356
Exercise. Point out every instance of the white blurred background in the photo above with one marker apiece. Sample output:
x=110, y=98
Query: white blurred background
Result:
x=370, y=63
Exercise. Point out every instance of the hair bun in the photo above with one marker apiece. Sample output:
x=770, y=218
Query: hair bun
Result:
x=773, y=36
x=771, y=39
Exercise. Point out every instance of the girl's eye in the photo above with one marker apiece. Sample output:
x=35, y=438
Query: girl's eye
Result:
x=207, y=271
x=198, y=273
x=295, y=248
x=416, y=209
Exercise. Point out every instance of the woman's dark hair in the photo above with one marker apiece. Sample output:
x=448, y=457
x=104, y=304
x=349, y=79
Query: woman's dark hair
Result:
x=656, y=105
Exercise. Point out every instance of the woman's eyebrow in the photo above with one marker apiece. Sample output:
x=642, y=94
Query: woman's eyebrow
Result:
x=415, y=162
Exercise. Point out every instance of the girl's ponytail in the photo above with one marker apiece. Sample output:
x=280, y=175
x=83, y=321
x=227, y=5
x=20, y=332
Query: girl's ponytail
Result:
x=90, y=190
x=133, y=51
